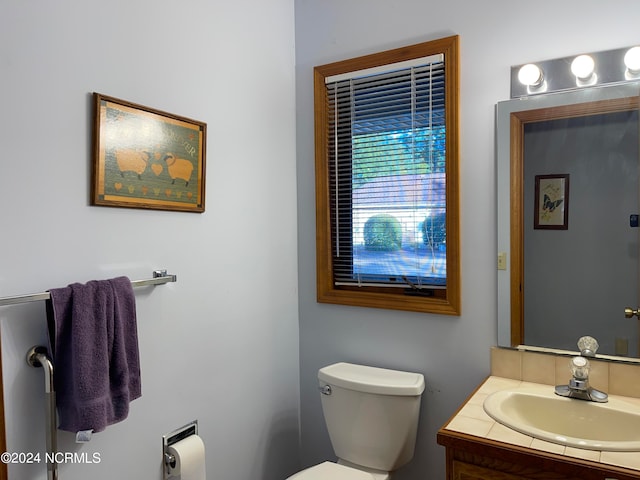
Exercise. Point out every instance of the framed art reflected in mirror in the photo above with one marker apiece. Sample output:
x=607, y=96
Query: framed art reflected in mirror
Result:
x=551, y=202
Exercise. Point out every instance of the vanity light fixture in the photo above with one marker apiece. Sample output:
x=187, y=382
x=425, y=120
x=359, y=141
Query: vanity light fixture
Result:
x=621, y=65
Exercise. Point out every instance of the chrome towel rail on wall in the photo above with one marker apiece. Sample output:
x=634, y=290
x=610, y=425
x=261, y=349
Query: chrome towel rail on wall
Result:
x=159, y=277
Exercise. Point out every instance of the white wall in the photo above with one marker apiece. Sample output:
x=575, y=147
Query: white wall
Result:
x=221, y=344
x=452, y=352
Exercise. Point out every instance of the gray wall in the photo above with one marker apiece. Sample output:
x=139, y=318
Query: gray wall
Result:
x=221, y=344
x=598, y=253
x=452, y=352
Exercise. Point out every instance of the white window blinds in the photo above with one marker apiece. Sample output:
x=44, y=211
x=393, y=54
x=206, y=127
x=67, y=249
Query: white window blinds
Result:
x=387, y=175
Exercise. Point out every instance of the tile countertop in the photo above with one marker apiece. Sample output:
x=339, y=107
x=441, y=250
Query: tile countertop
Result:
x=471, y=419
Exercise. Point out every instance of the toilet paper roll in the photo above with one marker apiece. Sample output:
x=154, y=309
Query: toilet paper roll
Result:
x=189, y=459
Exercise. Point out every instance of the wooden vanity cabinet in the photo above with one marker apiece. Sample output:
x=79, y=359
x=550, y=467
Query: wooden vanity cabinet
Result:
x=475, y=458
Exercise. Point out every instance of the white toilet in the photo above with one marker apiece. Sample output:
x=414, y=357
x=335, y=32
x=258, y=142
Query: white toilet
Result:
x=372, y=417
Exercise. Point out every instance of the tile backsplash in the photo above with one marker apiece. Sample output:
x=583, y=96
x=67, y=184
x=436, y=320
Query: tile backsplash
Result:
x=549, y=368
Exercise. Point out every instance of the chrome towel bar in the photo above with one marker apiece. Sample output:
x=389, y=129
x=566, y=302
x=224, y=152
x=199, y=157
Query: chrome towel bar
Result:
x=159, y=277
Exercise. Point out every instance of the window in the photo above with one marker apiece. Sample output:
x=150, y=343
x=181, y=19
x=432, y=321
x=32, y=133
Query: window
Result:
x=387, y=179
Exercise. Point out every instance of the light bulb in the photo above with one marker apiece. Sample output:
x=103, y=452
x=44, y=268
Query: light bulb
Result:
x=632, y=59
x=582, y=67
x=530, y=75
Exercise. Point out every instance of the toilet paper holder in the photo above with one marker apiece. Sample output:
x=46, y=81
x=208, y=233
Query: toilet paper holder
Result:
x=168, y=460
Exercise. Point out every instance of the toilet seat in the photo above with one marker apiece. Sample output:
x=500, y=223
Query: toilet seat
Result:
x=333, y=471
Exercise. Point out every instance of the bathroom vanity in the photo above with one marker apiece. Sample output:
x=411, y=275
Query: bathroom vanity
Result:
x=479, y=448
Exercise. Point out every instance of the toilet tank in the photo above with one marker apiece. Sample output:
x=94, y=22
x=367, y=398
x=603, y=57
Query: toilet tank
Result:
x=371, y=413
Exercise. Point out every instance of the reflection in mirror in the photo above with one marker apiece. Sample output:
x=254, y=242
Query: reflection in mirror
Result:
x=573, y=260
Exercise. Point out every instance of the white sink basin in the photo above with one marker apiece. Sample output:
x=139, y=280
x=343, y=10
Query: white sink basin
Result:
x=538, y=412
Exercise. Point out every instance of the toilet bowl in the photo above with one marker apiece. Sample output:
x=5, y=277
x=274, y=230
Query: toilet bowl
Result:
x=372, y=418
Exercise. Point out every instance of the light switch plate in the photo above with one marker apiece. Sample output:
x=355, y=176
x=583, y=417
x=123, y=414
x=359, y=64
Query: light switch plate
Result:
x=502, y=260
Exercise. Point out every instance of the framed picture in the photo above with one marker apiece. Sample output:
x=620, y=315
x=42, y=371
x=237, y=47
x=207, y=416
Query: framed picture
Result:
x=145, y=158
x=552, y=202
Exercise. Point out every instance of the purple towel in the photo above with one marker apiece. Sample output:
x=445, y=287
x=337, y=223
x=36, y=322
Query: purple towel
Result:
x=94, y=344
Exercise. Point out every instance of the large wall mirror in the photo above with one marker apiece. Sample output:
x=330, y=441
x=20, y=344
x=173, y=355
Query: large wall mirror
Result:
x=568, y=200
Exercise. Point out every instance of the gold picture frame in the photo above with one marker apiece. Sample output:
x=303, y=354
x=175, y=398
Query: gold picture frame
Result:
x=146, y=158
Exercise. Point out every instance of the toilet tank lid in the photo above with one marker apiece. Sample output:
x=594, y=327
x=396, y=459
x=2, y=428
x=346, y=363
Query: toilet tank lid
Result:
x=375, y=380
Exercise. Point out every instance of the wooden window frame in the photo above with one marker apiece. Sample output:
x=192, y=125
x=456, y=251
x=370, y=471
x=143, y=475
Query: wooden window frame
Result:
x=443, y=301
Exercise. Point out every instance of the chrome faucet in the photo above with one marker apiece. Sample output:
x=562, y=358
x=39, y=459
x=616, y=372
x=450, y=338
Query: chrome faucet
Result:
x=578, y=386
